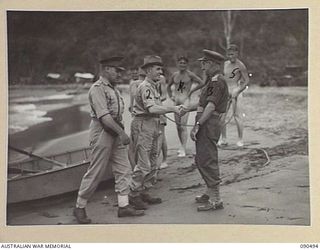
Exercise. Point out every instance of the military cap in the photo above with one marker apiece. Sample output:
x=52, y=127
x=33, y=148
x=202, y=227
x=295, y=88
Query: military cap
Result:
x=151, y=60
x=114, y=61
x=233, y=47
x=210, y=55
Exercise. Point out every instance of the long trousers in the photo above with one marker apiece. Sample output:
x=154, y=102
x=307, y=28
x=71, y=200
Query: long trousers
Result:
x=108, y=154
x=207, y=151
x=144, y=135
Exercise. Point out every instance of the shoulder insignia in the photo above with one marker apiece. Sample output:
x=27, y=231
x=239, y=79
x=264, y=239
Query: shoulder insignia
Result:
x=218, y=77
x=97, y=83
x=215, y=78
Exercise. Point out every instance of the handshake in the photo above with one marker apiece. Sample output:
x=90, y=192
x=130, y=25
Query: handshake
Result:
x=181, y=110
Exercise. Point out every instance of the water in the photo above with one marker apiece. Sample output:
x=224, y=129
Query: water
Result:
x=39, y=124
x=21, y=117
x=56, y=124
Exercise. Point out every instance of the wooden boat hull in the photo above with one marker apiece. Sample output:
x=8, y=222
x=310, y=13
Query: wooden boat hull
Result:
x=55, y=181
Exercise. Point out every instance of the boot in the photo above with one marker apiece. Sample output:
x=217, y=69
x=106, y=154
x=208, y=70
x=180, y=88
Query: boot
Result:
x=215, y=202
x=216, y=194
x=81, y=215
x=150, y=200
x=210, y=205
x=137, y=203
x=202, y=198
x=128, y=211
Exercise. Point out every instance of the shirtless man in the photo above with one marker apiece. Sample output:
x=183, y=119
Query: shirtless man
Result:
x=182, y=81
x=162, y=147
x=237, y=78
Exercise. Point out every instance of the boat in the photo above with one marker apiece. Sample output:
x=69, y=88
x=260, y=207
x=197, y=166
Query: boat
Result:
x=44, y=176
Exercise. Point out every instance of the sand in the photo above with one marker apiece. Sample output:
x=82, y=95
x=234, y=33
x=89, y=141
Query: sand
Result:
x=253, y=193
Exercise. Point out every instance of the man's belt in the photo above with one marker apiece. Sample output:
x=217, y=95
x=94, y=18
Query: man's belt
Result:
x=110, y=131
x=148, y=115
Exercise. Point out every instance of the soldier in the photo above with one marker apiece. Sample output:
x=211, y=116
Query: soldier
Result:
x=108, y=140
x=237, y=78
x=162, y=146
x=133, y=86
x=134, y=73
x=206, y=132
x=145, y=131
x=133, y=91
x=182, y=81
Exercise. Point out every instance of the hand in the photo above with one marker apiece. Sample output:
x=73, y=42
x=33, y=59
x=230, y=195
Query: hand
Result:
x=124, y=138
x=176, y=109
x=182, y=110
x=235, y=93
x=194, y=132
x=179, y=110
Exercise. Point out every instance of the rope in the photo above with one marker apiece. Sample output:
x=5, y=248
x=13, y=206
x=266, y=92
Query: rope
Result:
x=228, y=107
x=178, y=123
x=228, y=121
x=234, y=111
x=266, y=154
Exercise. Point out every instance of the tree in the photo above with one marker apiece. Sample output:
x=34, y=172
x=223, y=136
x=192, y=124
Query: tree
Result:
x=228, y=18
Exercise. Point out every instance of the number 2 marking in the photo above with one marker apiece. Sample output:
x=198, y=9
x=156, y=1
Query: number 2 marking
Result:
x=148, y=94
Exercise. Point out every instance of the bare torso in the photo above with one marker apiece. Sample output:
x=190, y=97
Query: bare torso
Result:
x=182, y=82
x=233, y=74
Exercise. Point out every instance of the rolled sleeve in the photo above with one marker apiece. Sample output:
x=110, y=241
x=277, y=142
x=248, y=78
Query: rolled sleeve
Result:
x=214, y=93
x=98, y=102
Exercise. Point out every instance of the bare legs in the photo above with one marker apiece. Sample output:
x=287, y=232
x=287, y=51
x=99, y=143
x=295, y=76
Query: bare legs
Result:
x=182, y=130
x=238, y=114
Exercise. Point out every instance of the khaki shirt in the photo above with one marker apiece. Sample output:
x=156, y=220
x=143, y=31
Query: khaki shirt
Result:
x=133, y=88
x=105, y=99
x=147, y=96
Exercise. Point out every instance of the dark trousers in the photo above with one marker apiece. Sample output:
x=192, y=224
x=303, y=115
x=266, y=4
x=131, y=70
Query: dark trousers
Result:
x=207, y=151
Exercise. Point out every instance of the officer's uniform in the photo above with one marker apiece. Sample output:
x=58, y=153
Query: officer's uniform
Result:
x=145, y=134
x=108, y=154
x=215, y=91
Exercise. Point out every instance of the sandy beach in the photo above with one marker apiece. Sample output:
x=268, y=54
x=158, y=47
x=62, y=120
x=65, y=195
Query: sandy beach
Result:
x=276, y=123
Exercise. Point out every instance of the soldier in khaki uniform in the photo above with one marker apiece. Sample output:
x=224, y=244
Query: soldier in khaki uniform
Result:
x=133, y=86
x=145, y=131
x=108, y=140
x=206, y=132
